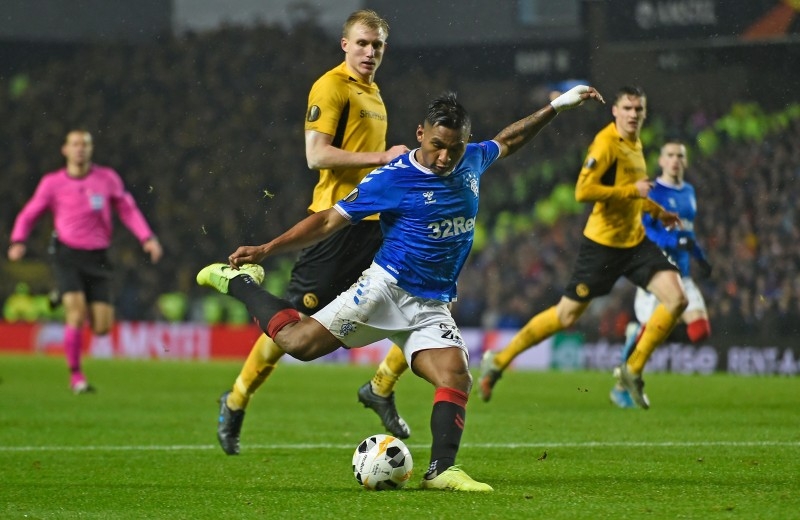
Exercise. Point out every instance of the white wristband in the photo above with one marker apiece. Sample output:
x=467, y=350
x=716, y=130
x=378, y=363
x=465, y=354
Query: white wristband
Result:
x=569, y=99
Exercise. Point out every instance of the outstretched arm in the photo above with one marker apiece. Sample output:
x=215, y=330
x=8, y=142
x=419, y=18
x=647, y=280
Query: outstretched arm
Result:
x=321, y=154
x=516, y=135
x=312, y=229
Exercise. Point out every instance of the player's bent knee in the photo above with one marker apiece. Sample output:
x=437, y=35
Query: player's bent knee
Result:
x=460, y=380
x=569, y=311
x=301, y=353
x=465, y=384
x=443, y=367
x=306, y=340
x=567, y=320
x=677, y=305
x=297, y=349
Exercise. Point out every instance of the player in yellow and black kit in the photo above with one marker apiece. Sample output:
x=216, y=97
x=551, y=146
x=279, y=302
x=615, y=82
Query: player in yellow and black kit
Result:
x=614, y=244
x=345, y=137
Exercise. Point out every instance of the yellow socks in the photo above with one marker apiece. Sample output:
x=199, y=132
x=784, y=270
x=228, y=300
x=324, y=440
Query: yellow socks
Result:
x=655, y=332
x=541, y=326
x=259, y=365
x=390, y=369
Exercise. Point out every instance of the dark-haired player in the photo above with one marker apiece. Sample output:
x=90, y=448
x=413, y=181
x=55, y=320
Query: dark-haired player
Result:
x=614, y=244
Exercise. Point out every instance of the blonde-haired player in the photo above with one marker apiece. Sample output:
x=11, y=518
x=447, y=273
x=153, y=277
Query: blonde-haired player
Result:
x=345, y=137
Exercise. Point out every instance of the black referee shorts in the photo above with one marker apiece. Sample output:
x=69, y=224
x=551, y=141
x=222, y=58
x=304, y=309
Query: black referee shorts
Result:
x=330, y=267
x=86, y=271
x=598, y=267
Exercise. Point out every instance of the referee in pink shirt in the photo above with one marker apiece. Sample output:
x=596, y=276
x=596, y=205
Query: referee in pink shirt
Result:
x=81, y=197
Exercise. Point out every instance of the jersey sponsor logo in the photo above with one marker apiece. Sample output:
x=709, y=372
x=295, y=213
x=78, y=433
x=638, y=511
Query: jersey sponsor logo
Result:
x=313, y=113
x=451, y=227
x=310, y=300
x=428, y=196
x=582, y=290
x=369, y=114
x=635, y=171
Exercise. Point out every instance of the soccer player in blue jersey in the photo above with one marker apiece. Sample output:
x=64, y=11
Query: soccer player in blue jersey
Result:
x=428, y=201
x=674, y=194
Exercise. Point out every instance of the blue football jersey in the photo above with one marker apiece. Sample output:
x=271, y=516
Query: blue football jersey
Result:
x=680, y=200
x=427, y=220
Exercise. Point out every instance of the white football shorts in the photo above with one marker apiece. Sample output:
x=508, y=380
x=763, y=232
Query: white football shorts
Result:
x=646, y=302
x=375, y=308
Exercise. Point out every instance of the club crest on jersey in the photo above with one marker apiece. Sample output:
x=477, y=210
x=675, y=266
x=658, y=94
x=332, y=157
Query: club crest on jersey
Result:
x=473, y=185
x=582, y=290
x=310, y=300
x=348, y=327
x=428, y=196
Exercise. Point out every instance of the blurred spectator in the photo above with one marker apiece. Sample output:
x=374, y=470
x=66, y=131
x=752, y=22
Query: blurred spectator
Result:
x=24, y=306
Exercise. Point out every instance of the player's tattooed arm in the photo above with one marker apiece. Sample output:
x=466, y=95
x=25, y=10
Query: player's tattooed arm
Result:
x=517, y=134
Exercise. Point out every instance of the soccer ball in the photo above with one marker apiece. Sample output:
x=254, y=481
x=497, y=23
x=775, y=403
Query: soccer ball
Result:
x=382, y=462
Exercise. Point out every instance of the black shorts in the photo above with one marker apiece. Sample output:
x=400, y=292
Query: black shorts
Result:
x=330, y=267
x=87, y=271
x=598, y=267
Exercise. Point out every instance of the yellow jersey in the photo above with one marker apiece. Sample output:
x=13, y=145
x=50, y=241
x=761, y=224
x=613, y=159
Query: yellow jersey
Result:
x=353, y=112
x=608, y=177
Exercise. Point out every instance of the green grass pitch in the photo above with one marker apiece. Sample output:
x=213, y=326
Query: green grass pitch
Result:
x=144, y=446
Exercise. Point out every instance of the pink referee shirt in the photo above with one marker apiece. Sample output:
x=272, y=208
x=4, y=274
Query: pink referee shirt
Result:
x=81, y=209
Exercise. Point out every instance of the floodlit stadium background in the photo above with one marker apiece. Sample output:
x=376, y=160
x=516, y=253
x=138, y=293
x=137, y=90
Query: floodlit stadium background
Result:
x=199, y=106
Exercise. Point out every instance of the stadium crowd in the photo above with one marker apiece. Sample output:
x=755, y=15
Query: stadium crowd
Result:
x=206, y=130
